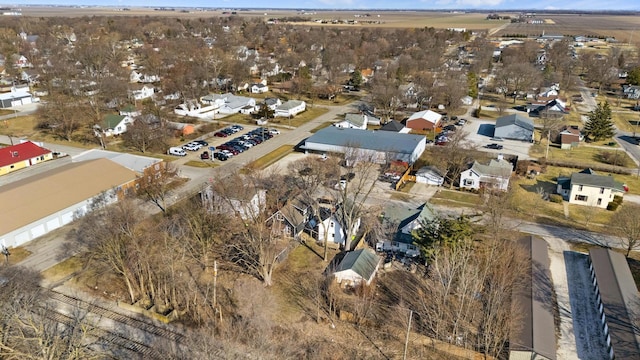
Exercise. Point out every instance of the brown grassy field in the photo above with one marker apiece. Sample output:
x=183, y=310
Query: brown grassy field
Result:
x=622, y=27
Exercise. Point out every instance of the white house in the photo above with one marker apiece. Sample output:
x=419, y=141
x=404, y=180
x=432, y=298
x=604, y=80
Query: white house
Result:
x=141, y=92
x=273, y=103
x=115, y=124
x=495, y=175
x=228, y=103
x=258, y=88
x=357, y=267
x=330, y=229
x=404, y=221
x=589, y=189
x=247, y=204
x=291, y=108
x=353, y=121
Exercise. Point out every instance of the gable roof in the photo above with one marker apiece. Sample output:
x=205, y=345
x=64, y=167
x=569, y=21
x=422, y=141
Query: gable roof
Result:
x=515, y=119
x=371, y=140
x=20, y=152
x=112, y=120
x=392, y=125
x=430, y=116
x=291, y=104
x=363, y=262
x=357, y=120
x=590, y=178
x=497, y=168
x=35, y=197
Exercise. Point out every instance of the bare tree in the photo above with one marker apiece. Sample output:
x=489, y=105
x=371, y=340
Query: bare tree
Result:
x=454, y=156
x=155, y=187
x=626, y=224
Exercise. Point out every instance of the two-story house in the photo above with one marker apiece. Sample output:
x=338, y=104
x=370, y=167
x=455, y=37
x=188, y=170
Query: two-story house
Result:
x=400, y=223
x=328, y=227
x=589, y=189
x=494, y=175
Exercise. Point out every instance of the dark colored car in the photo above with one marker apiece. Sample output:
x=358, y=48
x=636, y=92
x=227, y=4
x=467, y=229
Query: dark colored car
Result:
x=220, y=156
x=220, y=134
x=494, y=146
x=204, y=155
x=201, y=142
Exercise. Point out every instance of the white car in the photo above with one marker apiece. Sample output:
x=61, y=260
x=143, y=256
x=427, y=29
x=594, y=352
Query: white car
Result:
x=274, y=131
x=192, y=147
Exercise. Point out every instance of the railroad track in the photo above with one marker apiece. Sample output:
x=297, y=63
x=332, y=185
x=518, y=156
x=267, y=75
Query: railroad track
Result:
x=143, y=325
x=110, y=337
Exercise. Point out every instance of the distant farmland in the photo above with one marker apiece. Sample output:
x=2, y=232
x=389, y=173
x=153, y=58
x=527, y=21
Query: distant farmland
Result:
x=622, y=27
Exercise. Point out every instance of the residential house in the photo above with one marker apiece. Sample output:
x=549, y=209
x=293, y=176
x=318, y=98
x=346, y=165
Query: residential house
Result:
x=290, y=108
x=292, y=218
x=137, y=77
x=258, y=88
x=569, y=137
x=514, y=126
x=429, y=175
x=617, y=302
x=367, y=74
x=32, y=77
x=589, y=189
x=18, y=96
x=228, y=103
x=555, y=108
x=533, y=334
x=550, y=92
x=357, y=267
x=395, y=126
x=113, y=124
x=377, y=146
x=495, y=175
x=245, y=202
x=141, y=91
x=328, y=227
x=273, y=103
x=57, y=197
x=20, y=156
x=130, y=111
x=401, y=222
x=423, y=120
x=353, y=121
x=20, y=61
x=181, y=129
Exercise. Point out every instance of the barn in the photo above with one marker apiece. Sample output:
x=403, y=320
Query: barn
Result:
x=43, y=203
x=424, y=120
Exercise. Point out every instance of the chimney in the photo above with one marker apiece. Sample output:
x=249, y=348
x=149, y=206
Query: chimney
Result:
x=14, y=154
x=500, y=157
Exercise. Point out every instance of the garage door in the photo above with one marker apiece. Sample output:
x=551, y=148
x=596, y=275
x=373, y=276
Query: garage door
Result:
x=22, y=238
x=16, y=103
x=26, y=101
x=67, y=218
x=53, y=224
x=37, y=231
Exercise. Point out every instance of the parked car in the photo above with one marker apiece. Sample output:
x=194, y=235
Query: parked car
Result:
x=176, y=151
x=201, y=142
x=220, y=134
x=494, y=146
x=497, y=139
x=221, y=156
x=204, y=155
x=191, y=147
x=274, y=131
x=236, y=126
x=461, y=122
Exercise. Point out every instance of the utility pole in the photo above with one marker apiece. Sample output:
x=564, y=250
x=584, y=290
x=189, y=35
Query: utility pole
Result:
x=406, y=341
x=215, y=278
x=546, y=156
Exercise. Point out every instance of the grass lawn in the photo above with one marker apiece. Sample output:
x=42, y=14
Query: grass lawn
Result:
x=23, y=126
x=63, y=269
x=321, y=126
x=202, y=163
x=583, y=154
x=17, y=254
x=455, y=198
x=302, y=118
x=270, y=158
x=626, y=121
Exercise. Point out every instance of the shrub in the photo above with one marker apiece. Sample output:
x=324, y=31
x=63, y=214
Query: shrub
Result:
x=556, y=198
x=612, y=206
x=613, y=158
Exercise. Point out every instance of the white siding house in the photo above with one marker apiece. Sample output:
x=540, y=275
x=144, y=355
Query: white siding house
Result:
x=353, y=121
x=495, y=175
x=290, y=108
x=589, y=189
x=331, y=229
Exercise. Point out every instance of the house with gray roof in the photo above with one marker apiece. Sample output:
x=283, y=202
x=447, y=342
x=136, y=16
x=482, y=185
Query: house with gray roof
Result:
x=357, y=267
x=589, y=189
x=290, y=108
x=515, y=127
x=401, y=222
x=395, y=126
x=377, y=146
x=532, y=334
x=228, y=103
x=494, y=175
x=353, y=121
x=618, y=302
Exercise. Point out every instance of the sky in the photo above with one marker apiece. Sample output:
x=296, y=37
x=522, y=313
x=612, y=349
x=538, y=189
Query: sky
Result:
x=587, y=5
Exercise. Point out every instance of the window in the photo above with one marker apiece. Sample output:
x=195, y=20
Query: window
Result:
x=581, y=197
x=468, y=182
x=579, y=187
x=601, y=190
x=599, y=202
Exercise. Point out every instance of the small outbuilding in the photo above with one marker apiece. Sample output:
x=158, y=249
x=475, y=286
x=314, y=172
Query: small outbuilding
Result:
x=429, y=175
x=424, y=120
x=357, y=267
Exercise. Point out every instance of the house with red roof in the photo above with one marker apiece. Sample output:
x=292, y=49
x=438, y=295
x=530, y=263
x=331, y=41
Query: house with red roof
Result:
x=23, y=155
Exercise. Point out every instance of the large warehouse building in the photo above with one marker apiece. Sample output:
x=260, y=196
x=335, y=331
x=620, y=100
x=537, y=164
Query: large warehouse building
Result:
x=37, y=205
x=381, y=146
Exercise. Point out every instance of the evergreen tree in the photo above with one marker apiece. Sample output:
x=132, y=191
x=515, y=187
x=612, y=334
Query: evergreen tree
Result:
x=356, y=78
x=599, y=126
x=442, y=232
x=633, y=77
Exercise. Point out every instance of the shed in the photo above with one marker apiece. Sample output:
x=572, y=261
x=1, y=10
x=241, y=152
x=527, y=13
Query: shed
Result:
x=429, y=175
x=357, y=267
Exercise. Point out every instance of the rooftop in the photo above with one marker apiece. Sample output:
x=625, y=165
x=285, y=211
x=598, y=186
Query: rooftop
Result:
x=20, y=152
x=373, y=140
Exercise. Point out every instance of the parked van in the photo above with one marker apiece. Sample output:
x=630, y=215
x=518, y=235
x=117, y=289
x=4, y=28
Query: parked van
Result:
x=177, y=151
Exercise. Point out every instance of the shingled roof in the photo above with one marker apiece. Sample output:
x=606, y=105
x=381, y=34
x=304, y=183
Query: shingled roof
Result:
x=363, y=262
